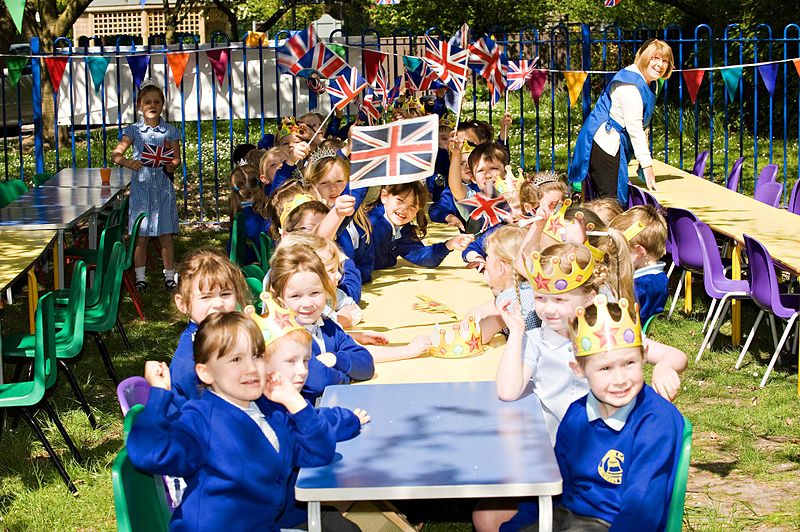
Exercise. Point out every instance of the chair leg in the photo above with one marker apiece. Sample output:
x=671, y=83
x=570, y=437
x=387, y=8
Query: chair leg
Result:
x=749, y=338
x=101, y=346
x=785, y=335
x=671, y=269
x=708, y=315
x=711, y=325
x=675, y=295
x=122, y=333
x=49, y=448
x=51, y=413
x=130, y=286
x=719, y=323
x=76, y=389
x=774, y=331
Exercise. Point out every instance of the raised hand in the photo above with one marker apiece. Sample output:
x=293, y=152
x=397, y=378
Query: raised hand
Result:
x=157, y=374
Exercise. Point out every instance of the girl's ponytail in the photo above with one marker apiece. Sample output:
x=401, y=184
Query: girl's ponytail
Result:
x=620, y=266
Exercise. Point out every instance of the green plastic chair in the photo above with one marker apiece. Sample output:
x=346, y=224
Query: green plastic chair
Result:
x=677, y=501
x=139, y=498
x=264, y=252
x=256, y=287
x=99, y=258
x=253, y=270
x=26, y=396
x=10, y=190
x=646, y=325
x=40, y=179
x=238, y=242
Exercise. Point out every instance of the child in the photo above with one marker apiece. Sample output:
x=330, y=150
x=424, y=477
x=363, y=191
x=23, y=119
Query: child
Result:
x=152, y=190
x=444, y=209
x=269, y=164
x=552, y=190
x=394, y=232
x=605, y=208
x=247, y=196
x=208, y=283
x=646, y=232
x=617, y=447
x=241, y=153
x=237, y=446
x=297, y=279
x=283, y=201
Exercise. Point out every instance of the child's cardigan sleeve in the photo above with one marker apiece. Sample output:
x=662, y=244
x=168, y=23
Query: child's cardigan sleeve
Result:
x=185, y=384
x=351, y=358
x=320, y=376
x=439, y=210
x=281, y=176
x=351, y=280
x=342, y=421
x=416, y=252
x=315, y=442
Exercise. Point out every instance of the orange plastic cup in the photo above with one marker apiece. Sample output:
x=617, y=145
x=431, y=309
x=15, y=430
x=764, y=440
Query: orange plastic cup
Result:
x=105, y=176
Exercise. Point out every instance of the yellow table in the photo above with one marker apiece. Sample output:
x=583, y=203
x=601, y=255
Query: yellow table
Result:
x=390, y=299
x=20, y=251
x=731, y=214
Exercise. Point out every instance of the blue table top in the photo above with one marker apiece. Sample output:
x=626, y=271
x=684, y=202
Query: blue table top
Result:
x=98, y=198
x=436, y=440
x=42, y=217
x=89, y=177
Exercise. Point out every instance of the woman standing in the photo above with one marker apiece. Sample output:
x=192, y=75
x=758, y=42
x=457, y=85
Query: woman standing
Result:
x=614, y=130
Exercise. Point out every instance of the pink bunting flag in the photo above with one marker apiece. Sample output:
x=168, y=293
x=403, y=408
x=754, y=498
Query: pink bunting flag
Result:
x=219, y=62
x=536, y=84
x=693, y=80
x=769, y=73
x=55, y=67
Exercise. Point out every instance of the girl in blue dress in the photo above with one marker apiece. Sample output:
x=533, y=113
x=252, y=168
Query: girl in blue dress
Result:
x=152, y=190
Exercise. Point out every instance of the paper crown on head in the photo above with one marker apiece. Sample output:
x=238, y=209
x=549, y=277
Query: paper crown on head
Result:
x=633, y=231
x=458, y=342
x=557, y=281
x=288, y=126
x=607, y=334
x=466, y=147
x=448, y=120
x=410, y=102
x=509, y=183
x=292, y=204
x=276, y=321
x=554, y=227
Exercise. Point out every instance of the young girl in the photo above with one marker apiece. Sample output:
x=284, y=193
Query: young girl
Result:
x=298, y=280
x=238, y=445
x=394, y=232
x=247, y=196
x=269, y=164
x=208, y=283
x=152, y=190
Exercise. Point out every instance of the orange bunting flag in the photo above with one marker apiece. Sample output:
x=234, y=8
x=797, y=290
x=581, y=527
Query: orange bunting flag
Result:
x=575, y=81
x=693, y=78
x=55, y=67
x=177, y=64
x=797, y=65
x=254, y=39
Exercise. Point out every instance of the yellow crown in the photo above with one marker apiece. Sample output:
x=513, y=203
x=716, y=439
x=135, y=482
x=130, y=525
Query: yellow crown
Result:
x=287, y=126
x=459, y=343
x=448, y=120
x=276, y=321
x=292, y=204
x=466, y=147
x=555, y=224
x=607, y=334
x=633, y=231
x=509, y=183
x=557, y=282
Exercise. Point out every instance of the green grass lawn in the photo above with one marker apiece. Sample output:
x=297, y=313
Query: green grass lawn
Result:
x=745, y=458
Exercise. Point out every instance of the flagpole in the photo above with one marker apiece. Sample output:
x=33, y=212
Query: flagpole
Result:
x=506, y=99
x=333, y=108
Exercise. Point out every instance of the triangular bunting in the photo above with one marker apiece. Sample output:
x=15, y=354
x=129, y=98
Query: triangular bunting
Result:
x=411, y=63
x=97, y=67
x=254, y=39
x=338, y=49
x=177, y=64
x=797, y=65
x=731, y=77
x=55, y=67
x=16, y=8
x=138, y=64
x=15, y=64
x=769, y=74
x=536, y=84
x=372, y=63
x=693, y=80
x=219, y=62
x=575, y=81
x=660, y=85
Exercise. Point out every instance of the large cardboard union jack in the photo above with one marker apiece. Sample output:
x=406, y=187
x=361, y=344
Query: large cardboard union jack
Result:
x=398, y=152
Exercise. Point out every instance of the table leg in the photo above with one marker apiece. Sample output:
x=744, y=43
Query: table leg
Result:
x=545, y=513
x=93, y=231
x=736, y=305
x=314, y=517
x=33, y=300
x=58, y=260
x=687, y=293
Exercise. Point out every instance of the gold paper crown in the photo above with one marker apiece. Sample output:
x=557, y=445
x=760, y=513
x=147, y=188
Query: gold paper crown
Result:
x=466, y=147
x=509, y=183
x=449, y=120
x=288, y=126
x=276, y=321
x=410, y=102
x=557, y=282
x=292, y=204
x=556, y=223
x=607, y=334
x=453, y=344
x=631, y=232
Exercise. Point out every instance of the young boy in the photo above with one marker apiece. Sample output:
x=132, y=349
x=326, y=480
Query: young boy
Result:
x=646, y=232
x=618, y=447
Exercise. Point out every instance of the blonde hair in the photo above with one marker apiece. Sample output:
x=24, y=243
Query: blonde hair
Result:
x=320, y=246
x=213, y=270
x=619, y=264
x=648, y=50
x=529, y=194
x=292, y=259
x=297, y=214
x=219, y=333
x=244, y=186
x=265, y=158
x=652, y=237
x=279, y=199
x=605, y=208
x=583, y=256
x=505, y=244
x=301, y=336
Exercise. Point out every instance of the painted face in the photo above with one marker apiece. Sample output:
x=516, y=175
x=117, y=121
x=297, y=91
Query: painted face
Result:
x=204, y=301
x=557, y=310
x=615, y=377
x=400, y=209
x=485, y=173
x=656, y=68
x=549, y=200
x=332, y=185
x=239, y=375
x=305, y=294
x=331, y=266
x=151, y=105
x=309, y=222
x=291, y=361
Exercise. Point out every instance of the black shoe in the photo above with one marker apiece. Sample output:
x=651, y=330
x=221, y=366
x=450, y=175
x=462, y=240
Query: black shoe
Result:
x=170, y=284
x=141, y=286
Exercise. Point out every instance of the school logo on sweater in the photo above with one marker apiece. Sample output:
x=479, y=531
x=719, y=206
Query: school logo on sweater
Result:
x=610, y=467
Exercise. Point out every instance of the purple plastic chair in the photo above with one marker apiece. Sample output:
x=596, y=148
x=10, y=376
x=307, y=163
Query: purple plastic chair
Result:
x=768, y=174
x=685, y=247
x=132, y=391
x=635, y=196
x=700, y=163
x=719, y=288
x=736, y=173
x=765, y=292
x=769, y=193
x=794, y=199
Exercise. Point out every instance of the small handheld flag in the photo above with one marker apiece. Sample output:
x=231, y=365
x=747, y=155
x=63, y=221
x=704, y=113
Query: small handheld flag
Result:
x=156, y=156
x=486, y=209
x=343, y=89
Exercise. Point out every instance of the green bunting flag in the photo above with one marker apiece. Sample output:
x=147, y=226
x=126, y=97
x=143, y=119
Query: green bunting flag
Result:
x=15, y=9
x=338, y=49
x=411, y=63
x=15, y=66
x=97, y=67
x=731, y=77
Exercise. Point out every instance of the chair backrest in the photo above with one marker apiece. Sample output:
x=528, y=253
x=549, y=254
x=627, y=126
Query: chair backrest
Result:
x=139, y=498
x=110, y=289
x=267, y=248
x=794, y=199
x=73, y=325
x=17, y=187
x=7, y=194
x=700, y=163
x=132, y=391
x=712, y=261
x=255, y=286
x=635, y=196
x=39, y=179
x=677, y=500
x=238, y=251
x=764, y=288
x=769, y=193
x=768, y=175
x=736, y=173
x=137, y=224
x=684, y=238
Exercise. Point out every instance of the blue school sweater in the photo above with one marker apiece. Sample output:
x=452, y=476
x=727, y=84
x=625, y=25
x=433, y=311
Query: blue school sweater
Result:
x=355, y=246
x=185, y=383
x=351, y=358
x=477, y=245
x=350, y=283
x=235, y=478
x=650, y=286
x=624, y=476
x=283, y=174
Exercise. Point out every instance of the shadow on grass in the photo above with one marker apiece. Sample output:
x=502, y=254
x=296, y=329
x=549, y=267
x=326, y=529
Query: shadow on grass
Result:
x=721, y=469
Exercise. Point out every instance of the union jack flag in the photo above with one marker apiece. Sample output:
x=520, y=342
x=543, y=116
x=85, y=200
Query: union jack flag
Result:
x=343, y=89
x=519, y=72
x=371, y=106
x=394, y=92
x=321, y=59
x=398, y=152
x=422, y=79
x=448, y=61
x=485, y=59
x=288, y=55
x=155, y=156
x=461, y=37
x=380, y=87
x=611, y=3
x=486, y=208
x=386, y=2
